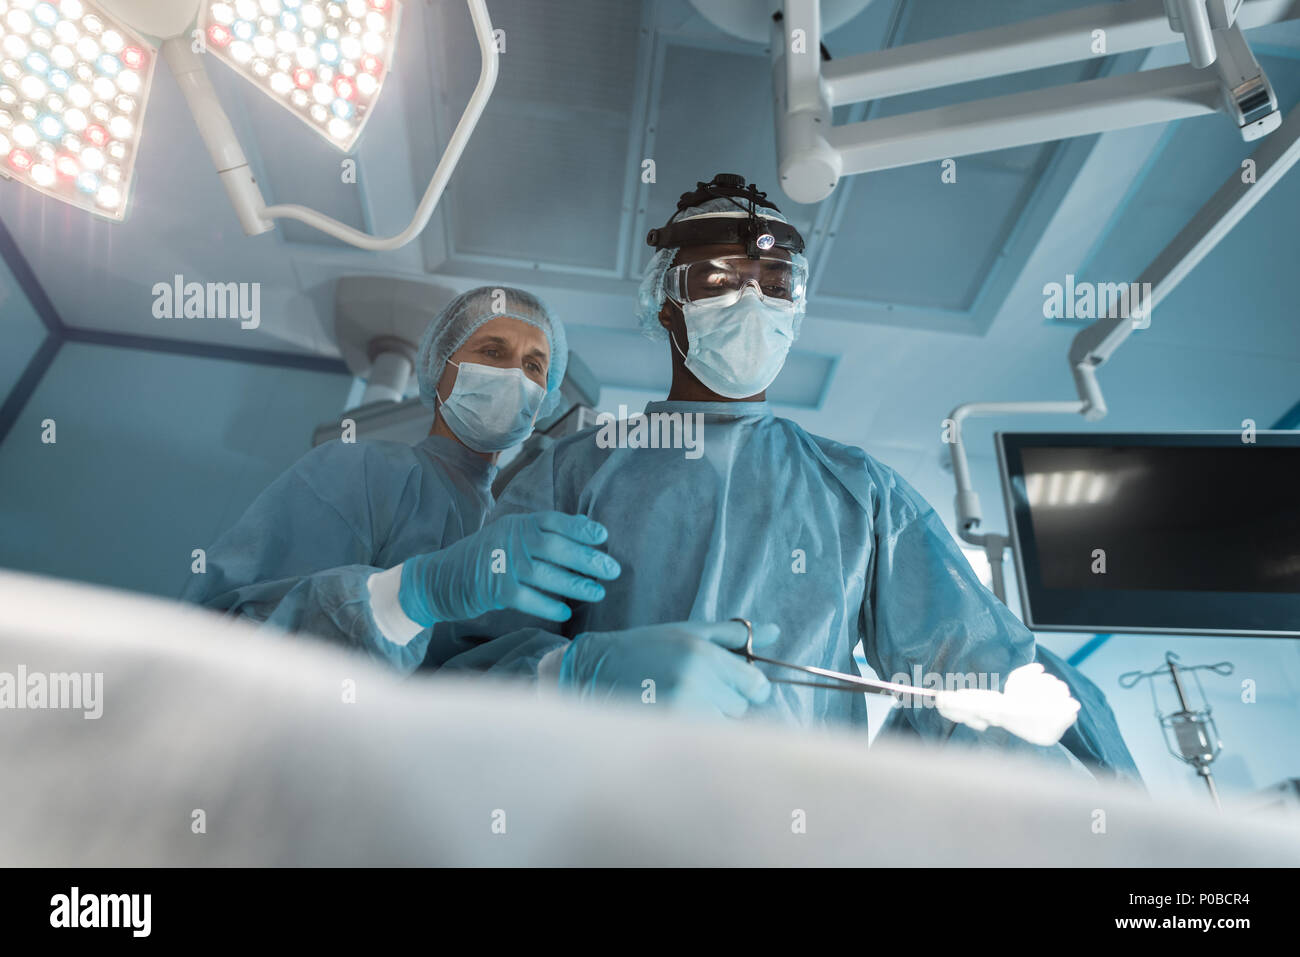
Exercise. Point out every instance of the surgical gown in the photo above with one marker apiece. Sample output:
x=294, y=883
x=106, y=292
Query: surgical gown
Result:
x=772, y=524
x=300, y=558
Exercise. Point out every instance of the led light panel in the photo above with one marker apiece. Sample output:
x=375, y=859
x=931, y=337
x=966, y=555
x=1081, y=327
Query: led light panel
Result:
x=73, y=86
x=323, y=60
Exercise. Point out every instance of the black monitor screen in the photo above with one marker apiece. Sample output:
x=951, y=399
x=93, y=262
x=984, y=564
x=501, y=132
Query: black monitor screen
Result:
x=1182, y=519
x=1192, y=532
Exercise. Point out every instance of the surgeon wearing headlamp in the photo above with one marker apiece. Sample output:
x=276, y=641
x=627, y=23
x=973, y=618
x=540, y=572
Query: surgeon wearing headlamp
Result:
x=372, y=543
x=731, y=320
x=818, y=544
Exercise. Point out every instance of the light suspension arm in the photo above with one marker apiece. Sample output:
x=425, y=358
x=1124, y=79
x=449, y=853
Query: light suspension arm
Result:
x=254, y=215
x=218, y=135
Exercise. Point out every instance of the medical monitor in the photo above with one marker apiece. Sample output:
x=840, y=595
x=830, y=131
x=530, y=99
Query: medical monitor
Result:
x=1185, y=533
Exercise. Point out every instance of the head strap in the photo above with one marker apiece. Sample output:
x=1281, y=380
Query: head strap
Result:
x=757, y=233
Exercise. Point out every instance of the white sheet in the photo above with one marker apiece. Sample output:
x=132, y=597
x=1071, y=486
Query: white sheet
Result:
x=201, y=713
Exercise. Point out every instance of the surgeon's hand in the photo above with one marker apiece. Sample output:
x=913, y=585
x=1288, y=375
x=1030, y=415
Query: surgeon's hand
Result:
x=512, y=563
x=687, y=663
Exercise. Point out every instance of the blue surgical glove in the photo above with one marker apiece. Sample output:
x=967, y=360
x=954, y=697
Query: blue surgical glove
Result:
x=687, y=661
x=509, y=564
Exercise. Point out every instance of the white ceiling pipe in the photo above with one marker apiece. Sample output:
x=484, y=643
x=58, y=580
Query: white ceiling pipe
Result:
x=389, y=374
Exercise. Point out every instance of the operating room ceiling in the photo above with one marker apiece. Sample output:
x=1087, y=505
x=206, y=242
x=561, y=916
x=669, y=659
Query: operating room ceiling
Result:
x=924, y=294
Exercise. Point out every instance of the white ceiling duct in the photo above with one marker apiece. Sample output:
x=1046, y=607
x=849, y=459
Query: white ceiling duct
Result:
x=752, y=19
x=161, y=19
x=378, y=322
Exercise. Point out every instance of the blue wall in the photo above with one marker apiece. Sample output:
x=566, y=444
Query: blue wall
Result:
x=156, y=454
x=21, y=331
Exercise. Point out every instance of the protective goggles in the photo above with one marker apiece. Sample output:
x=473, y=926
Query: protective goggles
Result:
x=729, y=275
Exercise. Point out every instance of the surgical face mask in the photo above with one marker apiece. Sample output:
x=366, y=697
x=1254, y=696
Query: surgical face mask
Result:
x=491, y=409
x=737, y=346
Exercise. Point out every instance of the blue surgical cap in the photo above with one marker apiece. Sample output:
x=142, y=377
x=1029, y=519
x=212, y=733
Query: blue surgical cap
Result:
x=465, y=314
x=650, y=297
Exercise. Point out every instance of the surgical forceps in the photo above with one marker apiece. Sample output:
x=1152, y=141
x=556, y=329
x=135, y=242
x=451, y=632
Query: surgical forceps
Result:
x=848, y=682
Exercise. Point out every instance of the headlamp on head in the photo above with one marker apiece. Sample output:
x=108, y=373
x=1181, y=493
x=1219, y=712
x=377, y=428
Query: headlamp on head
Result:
x=756, y=232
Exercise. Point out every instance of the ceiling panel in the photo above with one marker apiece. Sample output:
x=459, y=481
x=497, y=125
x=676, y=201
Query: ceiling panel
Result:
x=579, y=54
x=908, y=238
x=552, y=144
x=563, y=211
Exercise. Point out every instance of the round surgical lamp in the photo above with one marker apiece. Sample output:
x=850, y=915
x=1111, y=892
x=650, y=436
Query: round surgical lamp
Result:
x=323, y=62
x=75, y=77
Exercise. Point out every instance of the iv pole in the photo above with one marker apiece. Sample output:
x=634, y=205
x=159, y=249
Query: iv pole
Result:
x=1193, y=731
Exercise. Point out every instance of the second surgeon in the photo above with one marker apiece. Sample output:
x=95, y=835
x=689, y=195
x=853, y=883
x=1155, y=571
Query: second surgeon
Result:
x=372, y=543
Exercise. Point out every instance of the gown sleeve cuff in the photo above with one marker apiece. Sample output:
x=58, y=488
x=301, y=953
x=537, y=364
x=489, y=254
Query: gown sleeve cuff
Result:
x=385, y=608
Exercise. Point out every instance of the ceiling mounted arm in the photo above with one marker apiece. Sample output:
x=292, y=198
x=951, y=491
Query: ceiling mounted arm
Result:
x=813, y=155
x=1094, y=345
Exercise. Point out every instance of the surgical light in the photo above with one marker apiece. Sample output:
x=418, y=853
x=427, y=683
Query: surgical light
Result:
x=60, y=60
x=332, y=46
x=75, y=78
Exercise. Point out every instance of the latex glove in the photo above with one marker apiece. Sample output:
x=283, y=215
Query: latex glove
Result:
x=1033, y=705
x=510, y=564
x=687, y=661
